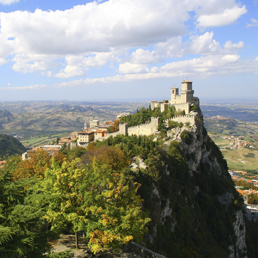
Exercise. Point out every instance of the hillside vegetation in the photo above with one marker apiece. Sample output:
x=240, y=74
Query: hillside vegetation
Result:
x=245, y=158
x=41, y=118
x=10, y=146
x=170, y=192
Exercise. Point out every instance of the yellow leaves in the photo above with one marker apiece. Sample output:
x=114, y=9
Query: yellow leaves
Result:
x=110, y=185
x=95, y=209
x=128, y=239
x=108, y=220
x=100, y=239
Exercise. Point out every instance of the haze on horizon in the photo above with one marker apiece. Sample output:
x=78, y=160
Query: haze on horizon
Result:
x=127, y=49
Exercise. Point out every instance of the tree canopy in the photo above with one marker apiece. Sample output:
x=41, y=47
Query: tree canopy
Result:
x=99, y=198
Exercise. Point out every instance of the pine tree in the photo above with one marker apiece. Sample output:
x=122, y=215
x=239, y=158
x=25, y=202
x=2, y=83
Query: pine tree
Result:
x=21, y=226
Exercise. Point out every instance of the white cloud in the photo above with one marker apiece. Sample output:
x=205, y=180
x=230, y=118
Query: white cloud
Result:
x=141, y=56
x=204, y=44
x=229, y=45
x=132, y=68
x=94, y=60
x=202, y=67
x=7, y=2
x=94, y=27
x=30, y=87
x=71, y=71
x=31, y=63
x=101, y=33
x=230, y=58
x=253, y=23
x=221, y=18
x=6, y=46
x=170, y=48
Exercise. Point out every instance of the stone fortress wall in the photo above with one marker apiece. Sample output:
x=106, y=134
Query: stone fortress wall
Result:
x=143, y=129
x=181, y=102
x=184, y=119
x=149, y=128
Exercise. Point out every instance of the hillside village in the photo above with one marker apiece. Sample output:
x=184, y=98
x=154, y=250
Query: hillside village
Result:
x=190, y=119
x=95, y=131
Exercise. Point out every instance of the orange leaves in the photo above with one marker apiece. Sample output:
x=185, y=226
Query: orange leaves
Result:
x=38, y=162
x=113, y=157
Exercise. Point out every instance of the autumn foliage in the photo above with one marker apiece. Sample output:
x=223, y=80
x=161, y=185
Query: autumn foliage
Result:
x=98, y=196
x=36, y=165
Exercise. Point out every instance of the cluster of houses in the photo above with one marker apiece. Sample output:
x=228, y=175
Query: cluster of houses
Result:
x=236, y=176
x=251, y=209
x=2, y=163
x=237, y=142
x=89, y=134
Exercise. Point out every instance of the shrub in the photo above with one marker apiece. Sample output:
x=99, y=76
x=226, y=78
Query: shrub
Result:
x=186, y=137
x=193, y=108
x=187, y=124
x=172, y=124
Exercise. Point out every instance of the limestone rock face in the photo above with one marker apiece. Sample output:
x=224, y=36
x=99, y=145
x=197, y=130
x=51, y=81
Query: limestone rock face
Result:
x=203, y=199
x=239, y=227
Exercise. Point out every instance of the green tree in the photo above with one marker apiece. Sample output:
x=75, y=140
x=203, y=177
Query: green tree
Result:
x=57, y=140
x=95, y=199
x=21, y=233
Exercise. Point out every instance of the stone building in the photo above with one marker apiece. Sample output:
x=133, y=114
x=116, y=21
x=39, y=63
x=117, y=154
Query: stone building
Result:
x=181, y=102
x=94, y=123
x=84, y=138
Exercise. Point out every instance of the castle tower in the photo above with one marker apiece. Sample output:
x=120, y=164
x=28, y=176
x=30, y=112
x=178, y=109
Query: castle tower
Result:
x=85, y=126
x=123, y=129
x=153, y=104
x=174, y=95
x=187, y=92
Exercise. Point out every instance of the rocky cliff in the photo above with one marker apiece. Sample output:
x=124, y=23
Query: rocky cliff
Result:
x=195, y=209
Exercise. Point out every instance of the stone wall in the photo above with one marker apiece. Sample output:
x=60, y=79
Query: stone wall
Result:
x=184, y=119
x=144, y=129
x=148, y=128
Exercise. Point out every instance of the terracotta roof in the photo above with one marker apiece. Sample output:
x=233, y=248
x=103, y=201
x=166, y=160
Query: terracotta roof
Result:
x=241, y=192
x=53, y=149
x=37, y=148
x=73, y=133
x=86, y=133
x=99, y=131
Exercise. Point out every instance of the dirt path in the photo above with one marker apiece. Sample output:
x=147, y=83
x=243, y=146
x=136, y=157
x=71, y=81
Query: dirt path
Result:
x=66, y=242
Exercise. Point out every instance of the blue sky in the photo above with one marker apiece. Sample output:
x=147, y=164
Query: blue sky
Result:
x=127, y=49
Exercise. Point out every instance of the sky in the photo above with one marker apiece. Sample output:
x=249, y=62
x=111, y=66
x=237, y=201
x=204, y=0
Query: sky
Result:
x=127, y=49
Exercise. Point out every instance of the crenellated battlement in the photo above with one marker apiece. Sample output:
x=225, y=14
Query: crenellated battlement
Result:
x=181, y=102
x=149, y=128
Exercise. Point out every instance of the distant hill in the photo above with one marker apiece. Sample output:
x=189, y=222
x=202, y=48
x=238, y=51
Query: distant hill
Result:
x=246, y=113
x=10, y=145
x=230, y=126
x=5, y=116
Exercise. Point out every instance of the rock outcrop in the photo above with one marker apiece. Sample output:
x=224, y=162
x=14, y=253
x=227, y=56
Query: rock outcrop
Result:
x=192, y=202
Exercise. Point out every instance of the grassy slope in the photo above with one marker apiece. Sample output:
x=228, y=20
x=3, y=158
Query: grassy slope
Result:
x=238, y=159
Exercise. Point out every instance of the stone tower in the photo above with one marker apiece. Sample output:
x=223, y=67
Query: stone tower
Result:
x=187, y=92
x=85, y=126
